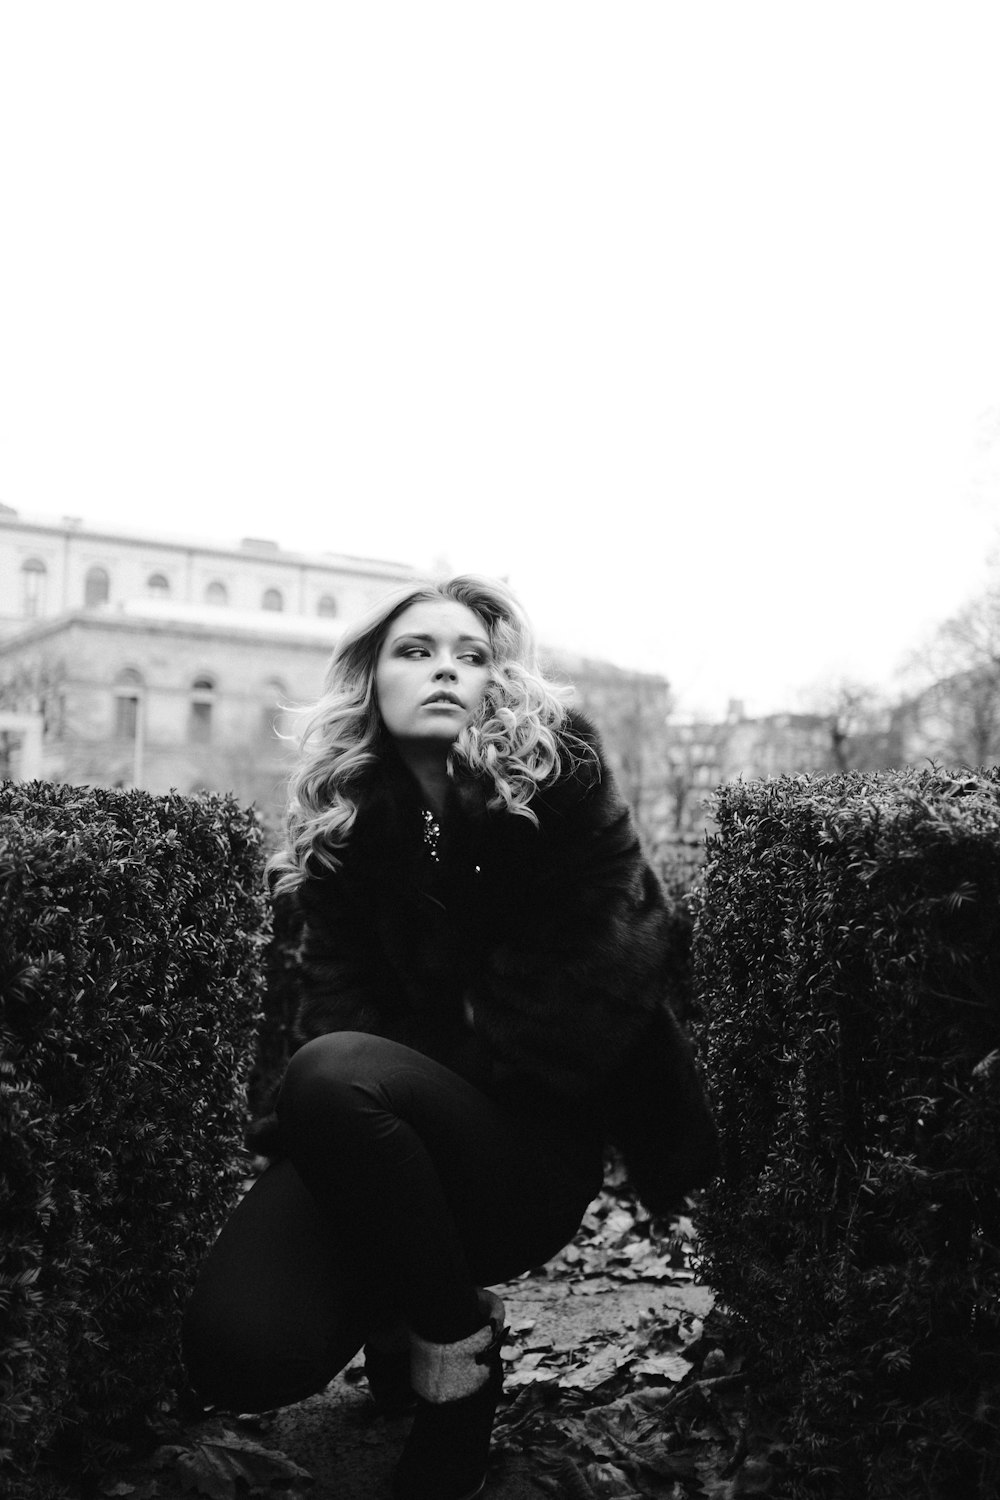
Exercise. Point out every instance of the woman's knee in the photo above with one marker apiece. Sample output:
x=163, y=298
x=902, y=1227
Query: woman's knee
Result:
x=327, y=1075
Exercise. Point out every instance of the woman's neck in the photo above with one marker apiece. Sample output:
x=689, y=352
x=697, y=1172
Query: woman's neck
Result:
x=429, y=768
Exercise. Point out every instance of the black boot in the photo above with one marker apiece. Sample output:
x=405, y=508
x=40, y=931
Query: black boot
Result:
x=387, y=1371
x=457, y=1389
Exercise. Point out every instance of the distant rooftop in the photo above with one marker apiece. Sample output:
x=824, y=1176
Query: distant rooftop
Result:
x=224, y=617
x=220, y=621
x=242, y=547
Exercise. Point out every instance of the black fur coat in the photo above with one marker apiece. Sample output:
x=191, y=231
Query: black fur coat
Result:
x=530, y=958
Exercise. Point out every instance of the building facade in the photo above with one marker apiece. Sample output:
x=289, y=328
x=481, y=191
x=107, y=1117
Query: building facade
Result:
x=703, y=755
x=52, y=567
x=165, y=665
x=164, y=700
x=630, y=709
x=953, y=722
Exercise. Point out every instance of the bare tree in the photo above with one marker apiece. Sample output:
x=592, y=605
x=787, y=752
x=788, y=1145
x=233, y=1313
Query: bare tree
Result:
x=955, y=712
x=857, y=718
x=37, y=687
x=696, y=757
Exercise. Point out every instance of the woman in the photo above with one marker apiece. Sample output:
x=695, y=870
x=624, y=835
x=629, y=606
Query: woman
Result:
x=483, y=1010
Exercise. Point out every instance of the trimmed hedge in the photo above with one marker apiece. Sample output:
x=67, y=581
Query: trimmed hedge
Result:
x=130, y=939
x=679, y=874
x=282, y=993
x=847, y=959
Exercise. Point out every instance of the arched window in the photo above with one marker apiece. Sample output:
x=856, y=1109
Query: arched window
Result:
x=128, y=693
x=200, y=710
x=96, y=587
x=158, y=584
x=272, y=600
x=327, y=606
x=216, y=593
x=34, y=575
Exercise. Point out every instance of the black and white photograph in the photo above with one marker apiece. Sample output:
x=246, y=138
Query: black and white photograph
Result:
x=499, y=750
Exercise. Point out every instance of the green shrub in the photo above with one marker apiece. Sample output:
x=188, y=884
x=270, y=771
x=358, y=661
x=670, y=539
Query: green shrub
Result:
x=680, y=873
x=130, y=938
x=282, y=981
x=847, y=958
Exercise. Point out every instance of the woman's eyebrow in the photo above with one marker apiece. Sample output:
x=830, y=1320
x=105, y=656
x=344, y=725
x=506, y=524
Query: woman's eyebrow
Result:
x=425, y=638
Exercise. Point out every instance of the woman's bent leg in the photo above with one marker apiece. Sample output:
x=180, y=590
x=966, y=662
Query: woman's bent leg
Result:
x=446, y=1190
x=405, y=1190
x=279, y=1307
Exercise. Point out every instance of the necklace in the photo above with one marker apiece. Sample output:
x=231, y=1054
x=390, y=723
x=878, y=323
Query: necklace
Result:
x=432, y=833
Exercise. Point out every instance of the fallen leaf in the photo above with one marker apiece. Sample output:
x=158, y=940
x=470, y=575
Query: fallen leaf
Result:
x=218, y=1467
x=603, y=1367
x=668, y=1366
x=619, y=1223
x=521, y=1325
x=540, y=1375
x=530, y=1359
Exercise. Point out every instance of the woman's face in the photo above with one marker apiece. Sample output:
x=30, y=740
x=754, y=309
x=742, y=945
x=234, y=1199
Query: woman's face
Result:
x=432, y=671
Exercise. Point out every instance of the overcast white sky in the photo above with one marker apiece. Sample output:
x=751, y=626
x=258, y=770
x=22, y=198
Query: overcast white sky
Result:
x=686, y=317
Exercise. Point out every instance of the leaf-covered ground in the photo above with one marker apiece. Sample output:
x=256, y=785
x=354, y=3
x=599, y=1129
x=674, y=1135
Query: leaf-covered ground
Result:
x=657, y=1409
x=621, y=1381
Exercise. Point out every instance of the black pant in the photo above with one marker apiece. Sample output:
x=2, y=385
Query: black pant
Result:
x=404, y=1188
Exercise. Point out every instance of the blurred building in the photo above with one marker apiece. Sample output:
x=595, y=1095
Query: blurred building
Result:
x=136, y=661
x=51, y=567
x=952, y=722
x=165, y=698
x=704, y=754
x=165, y=663
x=630, y=709
x=775, y=744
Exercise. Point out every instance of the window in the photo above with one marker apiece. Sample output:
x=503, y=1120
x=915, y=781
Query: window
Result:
x=33, y=579
x=200, y=710
x=272, y=600
x=327, y=606
x=216, y=593
x=128, y=690
x=126, y=716
x=96, y=587
x=158, y=584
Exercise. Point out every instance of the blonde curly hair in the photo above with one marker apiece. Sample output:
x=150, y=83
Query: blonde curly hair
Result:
x=512, y=741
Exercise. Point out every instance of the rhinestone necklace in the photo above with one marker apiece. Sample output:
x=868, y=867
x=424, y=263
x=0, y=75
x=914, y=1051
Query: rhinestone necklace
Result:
x=432, y=833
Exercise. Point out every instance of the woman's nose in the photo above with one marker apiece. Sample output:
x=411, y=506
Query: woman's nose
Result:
x=446, y=669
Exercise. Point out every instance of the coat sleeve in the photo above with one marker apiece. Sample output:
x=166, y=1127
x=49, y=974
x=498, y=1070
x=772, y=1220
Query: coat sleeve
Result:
x=343, y=986
x=340, y=981
x=574, y=996
x=570, y=985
